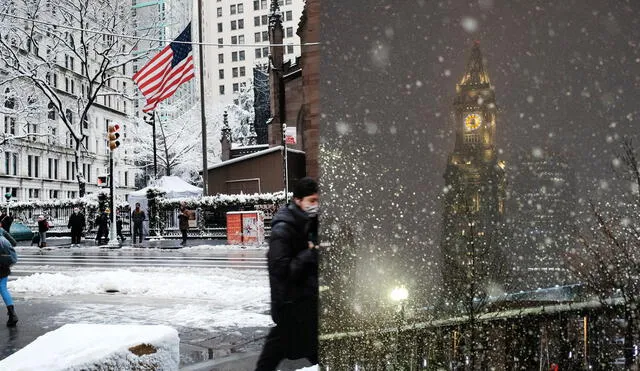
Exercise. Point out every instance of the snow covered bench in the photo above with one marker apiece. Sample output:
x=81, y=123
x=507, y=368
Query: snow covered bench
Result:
x=99, y=347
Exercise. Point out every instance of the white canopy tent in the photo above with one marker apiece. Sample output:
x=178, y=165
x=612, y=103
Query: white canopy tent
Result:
x=173, y=185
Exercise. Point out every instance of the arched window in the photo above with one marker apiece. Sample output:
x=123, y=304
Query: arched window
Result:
x=9, y=101
x=51, y=111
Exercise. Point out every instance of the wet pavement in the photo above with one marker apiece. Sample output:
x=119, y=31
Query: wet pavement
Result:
x=201, y=350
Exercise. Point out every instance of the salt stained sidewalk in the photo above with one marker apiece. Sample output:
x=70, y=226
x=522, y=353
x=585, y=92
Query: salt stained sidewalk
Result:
x=92, y=347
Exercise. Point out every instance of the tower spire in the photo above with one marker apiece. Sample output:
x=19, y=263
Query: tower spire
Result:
x=275, y=15
x=475, y=75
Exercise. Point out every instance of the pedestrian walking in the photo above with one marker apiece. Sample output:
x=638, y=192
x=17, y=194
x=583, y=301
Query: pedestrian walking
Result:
x=183, y=224
x=102, y=222
x=119, y=228
x=6, y=221
x=77, y=223
x=43, y=227
x=8, y=257
x=137, y=217
x=293, y=277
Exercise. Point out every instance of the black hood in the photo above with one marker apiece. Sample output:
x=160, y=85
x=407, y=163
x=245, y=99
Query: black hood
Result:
x=291, y=214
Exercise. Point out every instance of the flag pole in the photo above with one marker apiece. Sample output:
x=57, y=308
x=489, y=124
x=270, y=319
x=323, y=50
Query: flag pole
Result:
x=205, y=174
x=155, y=147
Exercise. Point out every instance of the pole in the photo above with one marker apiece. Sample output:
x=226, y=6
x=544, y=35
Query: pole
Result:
x=205, y=173
x=113, y=241
x=286, y=162
x=155, y=146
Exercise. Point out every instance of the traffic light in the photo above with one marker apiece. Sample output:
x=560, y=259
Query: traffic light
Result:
x=113, y=135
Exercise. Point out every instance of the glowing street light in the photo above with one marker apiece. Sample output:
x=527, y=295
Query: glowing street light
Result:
x=399, y=294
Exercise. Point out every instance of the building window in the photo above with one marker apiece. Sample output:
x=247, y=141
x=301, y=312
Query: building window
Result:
x=9, y=101
x=233, y=9
x=234, y=71
x=51, y=113
x=220, y=58
x=234, y=56
x=220, y=42
x=240, y=24
x=265, y=51
x=221, y=74
x=219, y=27
x=241, y=55
x=241, y=39
x=11, y=163
x=288, y=15
x=265, y=35
x=290, y=49
x=34, y=193
x=53, y=194
x=233, y=25
x=234, y=40
x=219, y=12
x=289, y=31
x=69, y=116
x=13, y=191
x=256, y=4
x=287, y=2
x=126, y=178
x=10, y=125
x=256, y=37
x=258, y=53
x=242, y=71
x=53, y=168
x=235, y=87
x=265, y=20
x=240, y=8
x=256, y=21
x=263, y=4
x=221, y=89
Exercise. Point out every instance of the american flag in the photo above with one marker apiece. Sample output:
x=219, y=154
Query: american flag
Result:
x=165, y=72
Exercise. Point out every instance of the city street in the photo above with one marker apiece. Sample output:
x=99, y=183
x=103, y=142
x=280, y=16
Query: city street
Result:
x=215, y=295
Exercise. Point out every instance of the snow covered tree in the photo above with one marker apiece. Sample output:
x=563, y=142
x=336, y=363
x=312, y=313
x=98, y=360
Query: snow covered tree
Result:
x=242, y=113
x=42, y=36
x=608, y=262
x=24, y=115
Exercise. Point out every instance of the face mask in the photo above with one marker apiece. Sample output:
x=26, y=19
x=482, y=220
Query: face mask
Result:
x=312, y=211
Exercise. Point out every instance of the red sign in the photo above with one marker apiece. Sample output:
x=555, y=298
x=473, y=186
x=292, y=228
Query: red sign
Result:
x=234, y=228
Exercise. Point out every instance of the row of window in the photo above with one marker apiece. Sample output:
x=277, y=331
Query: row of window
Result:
x=33, y=193
x=263, y=20
x=262, y=4
x=235, y=71
x=11, y=167
x=233, y=9
x=236, y=87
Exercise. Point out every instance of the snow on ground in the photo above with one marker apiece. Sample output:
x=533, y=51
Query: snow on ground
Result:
x=206, y=298
x=92, y=347
x=310, y=368
x=150, y=245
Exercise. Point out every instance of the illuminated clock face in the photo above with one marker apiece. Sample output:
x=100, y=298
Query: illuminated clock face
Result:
x=472, y=121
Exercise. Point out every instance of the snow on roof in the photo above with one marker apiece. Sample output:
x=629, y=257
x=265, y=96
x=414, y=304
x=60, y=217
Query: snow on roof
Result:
x=173, y=185
x=84, y=346
x=251, y=147
x=253, y=155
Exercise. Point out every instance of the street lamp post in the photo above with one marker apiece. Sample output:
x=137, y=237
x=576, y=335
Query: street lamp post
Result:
x=399, y=295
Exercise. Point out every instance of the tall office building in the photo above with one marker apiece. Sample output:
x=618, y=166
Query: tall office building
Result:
x=240, y=28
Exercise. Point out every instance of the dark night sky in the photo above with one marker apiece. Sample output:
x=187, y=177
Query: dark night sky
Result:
x=566, y=76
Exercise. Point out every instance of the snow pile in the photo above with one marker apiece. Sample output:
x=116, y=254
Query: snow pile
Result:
x=310, y=368
x=99, y=347
x=206, y=298
x=247, y=286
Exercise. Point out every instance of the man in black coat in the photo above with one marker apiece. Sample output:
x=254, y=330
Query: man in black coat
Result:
x=77, y=223
x=293, y=277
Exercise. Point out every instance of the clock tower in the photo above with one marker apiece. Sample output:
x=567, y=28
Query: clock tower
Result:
x=475, y=188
